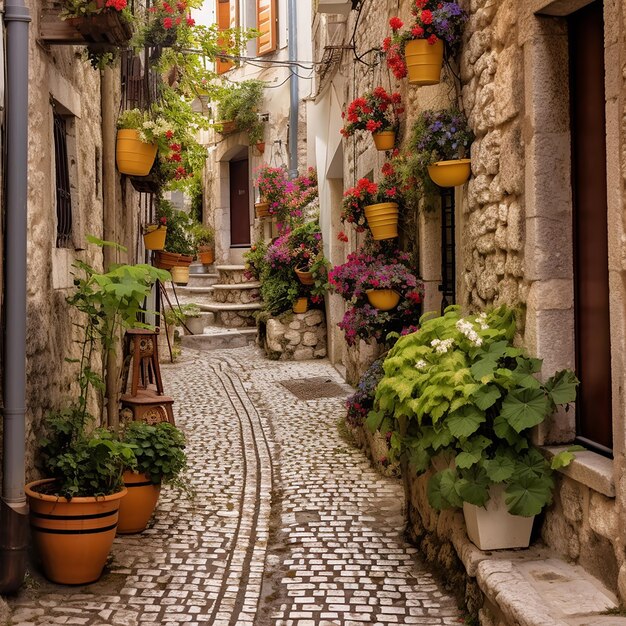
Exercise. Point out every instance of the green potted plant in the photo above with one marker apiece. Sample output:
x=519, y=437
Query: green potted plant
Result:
x=159, y=451
x=238, y=109
x=204, y=237
x=83, y=464
x=461, y=401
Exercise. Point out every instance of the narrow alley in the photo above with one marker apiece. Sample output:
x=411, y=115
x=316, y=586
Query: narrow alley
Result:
x=290, y=524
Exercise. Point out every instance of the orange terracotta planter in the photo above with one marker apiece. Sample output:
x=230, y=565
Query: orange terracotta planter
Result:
x=301, y=305
x=306, y=278
x=133, y=156
x=206, y=256
x=424, y=61
x=137, y=506
x=73, y=537
x=383, y=299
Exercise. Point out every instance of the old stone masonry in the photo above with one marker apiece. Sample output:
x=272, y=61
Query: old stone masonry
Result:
x=290, y=524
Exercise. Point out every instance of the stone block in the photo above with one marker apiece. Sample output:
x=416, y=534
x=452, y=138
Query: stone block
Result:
x=512, y=168
x=545, y=295
x=603, y=517
x=548, y=249
x=488, y=157
x=295, y=325
x=303, y=354
x=313, y=317
x=571, y=498
x=508, y=85
x=293, y=337
x=320, y=353
x=309, y=339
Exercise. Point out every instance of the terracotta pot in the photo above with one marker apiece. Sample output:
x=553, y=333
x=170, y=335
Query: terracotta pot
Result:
x=155, y=239
x=133, y=156
x=206, y=255
x=180, y=274
x=450, y=173
x=301, y=305
x=424, y=61
x=385, y=139
x=260, y=146
x=383, y=299
x=73, y=537
x=262, y=209
x=382, y=219
x=138, y=505
x=165, y=260
x=305, y=277
x=227, y=127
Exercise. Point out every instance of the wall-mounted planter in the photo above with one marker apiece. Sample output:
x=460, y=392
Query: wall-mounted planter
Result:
x=262, y=209
x=133, y=156
x=383, y=299
x=227, y=127
x=450, y=173
x=382, y=219
x=384, y=140
x=155, y=238
x=424, y=61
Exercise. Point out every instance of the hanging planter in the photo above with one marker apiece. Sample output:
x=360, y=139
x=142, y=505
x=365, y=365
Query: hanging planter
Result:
x=165, y=260
x=384, y=140
x=180, y=274
x=450, y=173
x=304, y=276
x=262, y=209
x=133, y=156
x=260, y=146
x=383, y=299
x=382, y=219
x=137, y=506
x=227, y=127
x=154, y=239
x=424, y=61
x=301, y=305
x=73, y=537
x=492, y=527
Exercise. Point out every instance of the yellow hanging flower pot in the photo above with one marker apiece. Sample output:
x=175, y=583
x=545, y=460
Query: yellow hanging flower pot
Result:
x=383, y=299
x=382, y=219
x=384, y=139
x=154, y=237
x=424, y=61
x=301, y=305
x=450, y=173
x=133, y=156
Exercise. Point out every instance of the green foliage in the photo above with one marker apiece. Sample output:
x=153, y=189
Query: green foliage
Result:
x=256, y=264
x=180, y=229
x=240, y=102
x=465, y=391
x=159, y=450
x=279, y=290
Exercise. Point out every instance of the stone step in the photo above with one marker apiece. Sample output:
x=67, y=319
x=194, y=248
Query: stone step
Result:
x=231, y=274
x=233, y=315
x=203, y=279
x=244, y=293
x=191, y=295
x=219, y=339
x=230, y=286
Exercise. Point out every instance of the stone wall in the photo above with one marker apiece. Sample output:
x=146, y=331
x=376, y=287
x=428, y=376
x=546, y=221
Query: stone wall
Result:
x=296, y=337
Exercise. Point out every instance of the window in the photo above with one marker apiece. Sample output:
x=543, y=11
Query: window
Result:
x=267, y=25
x=62, y=183
x=227, y=17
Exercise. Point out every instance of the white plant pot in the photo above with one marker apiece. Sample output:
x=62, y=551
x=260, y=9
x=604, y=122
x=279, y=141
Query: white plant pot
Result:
x=492, y=527
x=195, y=324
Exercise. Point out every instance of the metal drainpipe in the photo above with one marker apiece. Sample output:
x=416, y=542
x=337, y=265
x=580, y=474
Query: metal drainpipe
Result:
x=13, y=509
x=293, y=91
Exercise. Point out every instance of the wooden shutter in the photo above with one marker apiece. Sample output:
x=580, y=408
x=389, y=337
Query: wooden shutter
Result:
x=227, y=17
x=266, y=20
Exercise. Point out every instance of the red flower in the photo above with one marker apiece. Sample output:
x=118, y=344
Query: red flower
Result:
x=373, y=126
x=417, y=32
x=169, y=134
x=181, y=172
x=168, y=23
x=175, y=147
x=181, y=6
x=163, y=221
x=396, y=23
x=342, y=236
x=427, y=16
x=191, y=21
x=118, y=5
x=175, y=156
x=167, y=8
x=432, y=40
x=386, y=43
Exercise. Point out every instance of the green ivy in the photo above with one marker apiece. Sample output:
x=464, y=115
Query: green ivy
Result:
x=459, y=389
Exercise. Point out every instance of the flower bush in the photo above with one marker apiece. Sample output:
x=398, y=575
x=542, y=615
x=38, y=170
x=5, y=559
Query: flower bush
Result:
x=240, y=103
x=305, y=245
x=432, y=20
x=376, y=111
x=463, y=391
x=255, y=260
x=376, y=266
x=301, y=199
x=361, y=402
x=84, y=8
x=166, y=23
x=272, y=185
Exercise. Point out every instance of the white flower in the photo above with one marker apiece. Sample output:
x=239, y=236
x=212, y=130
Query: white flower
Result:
x=421, y=364
x=442, y=346
x=481, y=321
x=465, y=327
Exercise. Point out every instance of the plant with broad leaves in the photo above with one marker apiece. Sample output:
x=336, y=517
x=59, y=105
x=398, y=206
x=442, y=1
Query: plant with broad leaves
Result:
x=458, y=388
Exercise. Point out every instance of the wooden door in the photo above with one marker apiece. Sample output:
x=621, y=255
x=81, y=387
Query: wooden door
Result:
x=239, y=204
x=591, y=275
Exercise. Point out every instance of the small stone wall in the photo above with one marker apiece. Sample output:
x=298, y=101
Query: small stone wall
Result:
x=236, y=295
x=375, y=447
x=237, y=319
x=296, y=337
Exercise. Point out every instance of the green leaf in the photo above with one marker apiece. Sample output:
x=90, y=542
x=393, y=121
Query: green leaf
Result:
x=499, y=469
x=374, y=420
x=465, y=421
x=562, y=387
x=562, y=459
x=473, y=486
x=419, y=459
x=532, y=464
x=504, y=431
x=487, y=396
x=525, y=408
x=442, y=492
x=527, y=495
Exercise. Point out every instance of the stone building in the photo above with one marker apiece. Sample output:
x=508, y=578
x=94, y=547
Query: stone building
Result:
x=232, y=161
x=541, y=224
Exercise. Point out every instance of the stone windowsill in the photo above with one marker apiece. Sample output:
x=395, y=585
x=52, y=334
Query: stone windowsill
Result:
x=588, y=468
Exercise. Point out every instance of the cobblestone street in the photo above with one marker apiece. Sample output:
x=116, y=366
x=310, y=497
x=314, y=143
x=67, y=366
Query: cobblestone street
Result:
x=290, y=525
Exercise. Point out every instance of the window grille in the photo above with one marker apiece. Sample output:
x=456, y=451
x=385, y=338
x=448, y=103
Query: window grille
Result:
x=62, y=176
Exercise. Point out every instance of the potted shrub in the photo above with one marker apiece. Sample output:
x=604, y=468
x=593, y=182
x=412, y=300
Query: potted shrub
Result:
x=180, y=247
x=272, y=185
x=204, y=237
x=160, y=458
x=459, y=394
x=305, y=246
x=377, y=112
x=439, y=143
x=165, y=24
x=74, y=511
x=237, y=109
x=376, y=205
x=364, y=270
x=418, y=50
